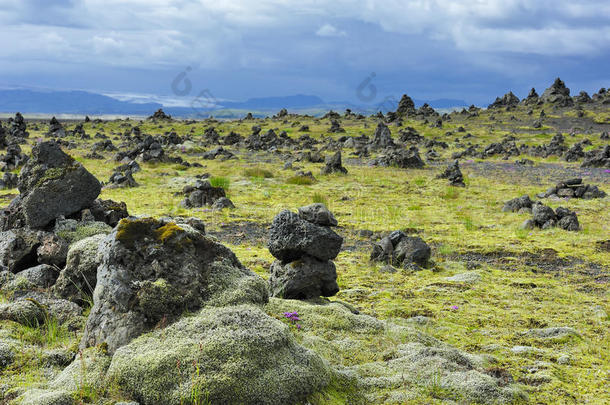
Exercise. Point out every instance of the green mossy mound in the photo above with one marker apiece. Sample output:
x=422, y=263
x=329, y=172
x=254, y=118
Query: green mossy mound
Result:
x=234, y=355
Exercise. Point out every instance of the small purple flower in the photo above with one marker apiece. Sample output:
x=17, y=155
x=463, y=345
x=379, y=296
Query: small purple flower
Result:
x=455, y=307
x=607, y=171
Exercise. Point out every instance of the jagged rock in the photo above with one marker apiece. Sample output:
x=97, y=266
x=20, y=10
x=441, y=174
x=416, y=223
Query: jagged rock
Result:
x=202, y=194
x=52, y=250
x=402, y=158
x=558, y=94
x=334, y=165
x=317, y=214
x=406, y=107
x=453, y=174
x=399, y=249
x=582, y=98
x=335, y=127
x=518, y=204
x=52, y=184
x=222, y=203
x=508, y=100
x=598, y=158
x=573, y=188
x=291, y=238
x=532, y=98
x=41, y=276
x=575, y=153
x=304, y=278
x=153, y=270
x=383, y=137
x=160, y=115
x=18, y=249
x=9, y=180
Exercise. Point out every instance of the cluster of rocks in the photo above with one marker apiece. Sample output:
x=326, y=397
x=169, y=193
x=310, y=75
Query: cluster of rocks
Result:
x=573, y=188
x=453, y=174
x=160, y=115
x=545, y=217
x=557, y=94
x=203, y=194
x=335, y=127
x=123, y=176
x=17, y=129
x=401, y=158
x=8, y=180
x=304, y=245
x=507, y=101
x=56, y=129
x=597, y=158
x=400, y=250
x=13, y=158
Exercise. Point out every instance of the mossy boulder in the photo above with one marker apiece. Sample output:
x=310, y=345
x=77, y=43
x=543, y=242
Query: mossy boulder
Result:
x=72, y=230
x=52, y=184
x=152, y=271
x=77, y=280
x=225, y=355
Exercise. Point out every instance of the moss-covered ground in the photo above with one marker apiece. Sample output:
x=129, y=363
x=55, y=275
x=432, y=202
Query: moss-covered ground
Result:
x=528, y=279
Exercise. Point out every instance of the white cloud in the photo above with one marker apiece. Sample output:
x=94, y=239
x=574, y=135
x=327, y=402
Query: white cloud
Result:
x=328, y=30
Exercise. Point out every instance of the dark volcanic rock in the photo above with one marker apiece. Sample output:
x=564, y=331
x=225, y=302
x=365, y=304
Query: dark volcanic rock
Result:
x=558, y=94
x=398, y=249
x=152, y=271
x=317, y=214
x=303, y=279
x=160, y=115
x=406, y=107
x=334, y=165
x=52, y=184
x=598, y=158
x=517, y=204
x=202, y=194
x=383, y=137
x=291, y=238
x=453, y=174
x=402, y=158
x=508, y=100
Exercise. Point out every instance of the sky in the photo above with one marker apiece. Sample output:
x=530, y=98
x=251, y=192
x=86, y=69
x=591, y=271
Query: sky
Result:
x=361, y=51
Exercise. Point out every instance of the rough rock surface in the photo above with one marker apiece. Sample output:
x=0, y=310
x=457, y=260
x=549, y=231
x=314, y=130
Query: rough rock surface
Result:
x=291, y=238
x=52, y=184
x=305, y=278
x=242, y=356
x=399, y=249
x=334, y=165
x=153, y=270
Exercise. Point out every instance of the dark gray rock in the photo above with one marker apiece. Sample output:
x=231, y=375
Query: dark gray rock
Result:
x=151, y=271
x=334, y=165
x=302, y=279
x=516, y=204
x=453, y=174
x=76, y=282
x=41, y=276
x=317, y=214
x=399, y=249
x=291, y=238
x=542, y=214
x=202, y=194
x=18, y=249
x=222, y=203
x=383, y=137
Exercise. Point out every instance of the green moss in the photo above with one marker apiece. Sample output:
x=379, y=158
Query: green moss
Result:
x=54, y=173
x=129, y=231
x=301, y=180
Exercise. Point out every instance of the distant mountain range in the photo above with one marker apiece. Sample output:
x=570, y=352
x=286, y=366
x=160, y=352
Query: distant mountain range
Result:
x=86, y=103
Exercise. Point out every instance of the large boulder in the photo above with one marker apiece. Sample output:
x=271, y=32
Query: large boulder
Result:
x=453, y=174
x=151, y=271
x=305, y=278
x=383, y=137
x=291, y=238
x=52, y=184
x=334, y=165
x=202, y=194
x=317, y=214
x=234, y=355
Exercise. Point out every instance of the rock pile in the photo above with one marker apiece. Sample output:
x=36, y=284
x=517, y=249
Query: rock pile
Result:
x=402, y=158
x=508, y=100
x=382, y=138
x=335, y=127
x=453, y=174
x=202, y=194
x=597, y=158
x=557, y=94
x=51, y=184
x=17, y=128
x=545, y=218
x=521, y=205
x=573, y=188
x=398, y=249
x=56, y=129
x=334, y=165
x=304, y=246
x=160, y=115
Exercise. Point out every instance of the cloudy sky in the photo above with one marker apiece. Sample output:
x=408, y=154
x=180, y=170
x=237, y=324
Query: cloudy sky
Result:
x=236, y=49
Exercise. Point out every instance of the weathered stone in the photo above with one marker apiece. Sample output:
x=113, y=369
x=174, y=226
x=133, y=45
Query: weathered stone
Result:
x=305, y=278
